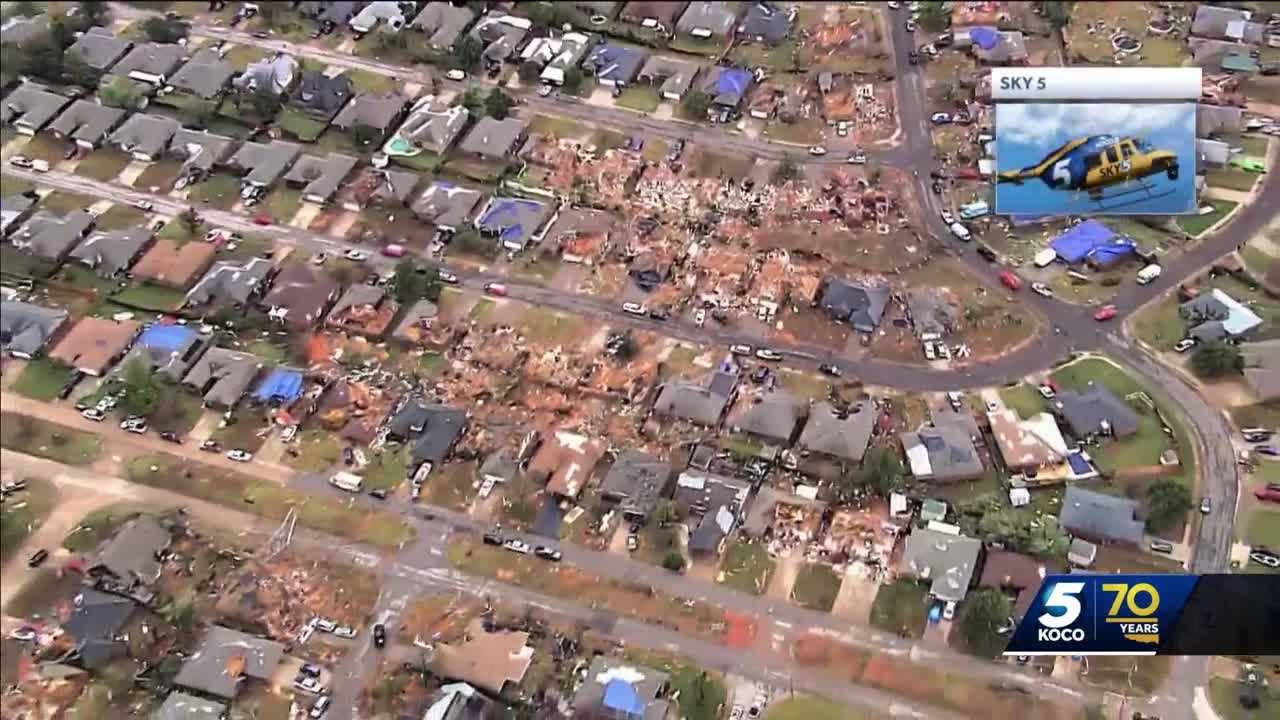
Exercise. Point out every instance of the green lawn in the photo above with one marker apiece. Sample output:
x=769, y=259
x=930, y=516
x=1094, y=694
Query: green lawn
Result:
x=549, y=326
x=246, y=433
x=900, y=606
x=10, y=185
x=16, y=262
x=642, y=98
x=318, y=450
x=368, y=82
x=41, y=379
x=218, y=190
x=61, y=203
x=151, y=297
x=1259, y=415
x=24, y=512
x=1197, y=224
x=481, y=309
x=1232, y=178
x=243, y=55
x=177, y=410
x=816, y=587
x=299, y=124
x=46, y=147
x=561, y=127
x=48, y=440
x=159, y=176
x=96, y=527
x=746, y=567
x=1160, y=325
x=1264, y=527
x=1024, y=399
x=780, y=58
x=809, y=707
x=707, y=47
x=387, y=469
x=120, y=217
x=451, y=486
x=103, y=165
x=702, y=694
x=267, y=349
x=282, y=203
x=1224, y=693
x=423, y=162
x=269, y=499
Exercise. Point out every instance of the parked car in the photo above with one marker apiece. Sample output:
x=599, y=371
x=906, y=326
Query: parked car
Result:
x=309, y=670
x=143, y=205
x=1010, y=280
x=134, y=425
x=940, y=118
x=378, y=493
x=910, y=25
x=1267, y=494
x=857, y=157
x=345, y=631
x=495, y=289
x=545, y=91
x=1255, y=435
x=393, y=251
x=700, y=317
x=94, y=414
x=1184, y=345
x=633, y=542
x=238, y=455
x=25, y=633
x=211, y=446
x=1267, y=450
x=1046, y=392
x=817, y=150
x=1105, y=313
x=740, y=349
x=660, y=314
x=455, y=75
x=1206, y=505
x=547, y=553
x=320, y=708
x=986, y=252
x=829, y=369
x=493, y=537
x=1265, y=558
x=447, y=277
x=947, y=217
x=1161, y=546
x=308, y=684
x=913, y=57
x=769, y=354
x=262, y=219
x=356, y=255
x=634, y=308
x=517, y=546
x=289, y=433
x=37, y=558
x=70, y=385
x=961, y=232
x=379, y=635
x=1040, y=288
x=949, y=610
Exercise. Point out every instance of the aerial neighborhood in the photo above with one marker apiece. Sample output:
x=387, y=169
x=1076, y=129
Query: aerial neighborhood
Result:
x=655, y=360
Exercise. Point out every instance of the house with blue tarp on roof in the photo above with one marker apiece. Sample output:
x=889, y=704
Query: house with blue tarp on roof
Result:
x=168, y=350
x=1093, y=243
x=515, y=222
x=727, y=88
x=616, y=689
x=282, y=386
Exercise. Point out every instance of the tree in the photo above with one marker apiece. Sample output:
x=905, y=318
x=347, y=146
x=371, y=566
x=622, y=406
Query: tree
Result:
x=883, y=470
x=190, y=220
x=529, y=72
x=1167, y=502
x=935, y=15
x=121, y=92
x=264, y=102
x=412, y=283
x=466, y=53
x=94, y=13
x=497, y=104
x=696, y=104
x=40, y=56
x=1057, y=12
x=666, y=513
x=984, y=612
x=140, y=389
x=573, y=78
x=79, y=72
x=1216, y=359
x=673, y=561
x=366, y=134
x=165, y=29
x=787, y=170
x=473, y=100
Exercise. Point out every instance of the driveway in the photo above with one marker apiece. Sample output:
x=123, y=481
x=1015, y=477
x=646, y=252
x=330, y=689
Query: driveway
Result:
x=72, y=504
x=857, y=594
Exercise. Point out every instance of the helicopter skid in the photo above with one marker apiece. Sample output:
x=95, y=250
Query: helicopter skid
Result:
x=1103, y=199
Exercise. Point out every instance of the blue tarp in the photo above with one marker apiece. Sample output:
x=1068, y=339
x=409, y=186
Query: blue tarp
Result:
x=282, y=385
x=508, y=217
x=1079, y=465
x=984, y=37
x=733, y=81
x=621, y=697
x=1093, y=241
x=169, y=338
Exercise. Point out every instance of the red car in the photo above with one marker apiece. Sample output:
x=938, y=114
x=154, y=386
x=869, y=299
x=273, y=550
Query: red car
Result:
x=1267, y=494
x=394, y=251
x=495, y=289
x=1011, y=281
x=262, y=219
x=1106, y=312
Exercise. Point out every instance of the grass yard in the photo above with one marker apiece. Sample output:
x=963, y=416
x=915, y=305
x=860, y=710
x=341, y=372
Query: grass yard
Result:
x=655, y=150
x=270, y=500
x=702, y=694
x=177, y=411
x=1232, y=178
x=15, y=262
x=48, y=440
x=1264, y=527
x=151, y=297
x=97, y=526
x=41, y=379
x=482, y=171
x=299, y=124
x=247, y=432
x=103, y=165
x=61, y=203
x=46, y=147
x=120, y=217
x=10, y=185
x=816, y=587
x=282, y=203
x=561, y=127
x=1023, y=399
x=450, y=486
x=780, y=58
x=218, y=190
x=708, y=164
x=373, y=83
x=900, y=606
x=1259, y=415
x=706, y=47
x=641, y=98
x=318, y=450
x=809, y=707
x=811, y=131
x=1224, y=693
x=386, y=469
x=746, y=567
x=23, y=513
x=423, y=162
x=480, y=311
x=1161, y=326
x=549, y=326
x=1195, y=225
x=244, y=55
x=42, y=593
x=537, y=268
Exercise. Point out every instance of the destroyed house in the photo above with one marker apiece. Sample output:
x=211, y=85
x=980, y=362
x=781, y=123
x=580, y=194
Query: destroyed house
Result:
x=635, y=482
x=446, y=205
x=946, y=561
x=363, y=309
x=767, y=22
x=842, y=434
x=433, y=429
x=94, y=627
x=717, y=501
x=129, y=559
x=859, y=304
x=579, y=234
x=565, y=460
x=501, y=35
x=372, y=187
x=274, y=75
x=25, y=328
x=86, y=123
x=225, y=660
x=319, y=178
x=418, y=321
x=111, y=253
x=299, y=296
x=223, y=376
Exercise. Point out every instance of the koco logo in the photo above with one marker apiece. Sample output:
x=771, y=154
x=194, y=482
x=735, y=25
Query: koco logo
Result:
x=1064, y=609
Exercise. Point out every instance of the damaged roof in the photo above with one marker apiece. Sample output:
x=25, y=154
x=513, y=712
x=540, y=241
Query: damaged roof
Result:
x=200, y=149
x=320, y=177
x=635, y=481
x=25, y=328
x=223, y=375
x=31, y=106
x=151, y=58
x=943, y=452
x=145, y=134
x=300, y=294
x=857, y=303
x=707, y=18
x=494, y=139
x=840, y=435
x=169, y=263
x=51, y=236
x=700, y=402
x=130, y=554
x=567, y=459
x=364, y=309
x=229, y=281
x=674, y=75
x=432, y=428
x=949, y=561
x=443, y=23
x=226, y=657
x=1100, y=517
x=432, y=127
x=447, y=205
x=515, y=222
x=111, y=252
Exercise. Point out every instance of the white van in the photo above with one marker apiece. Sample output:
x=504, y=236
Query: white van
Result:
x=972, y=211
x=1148, y=273
x=1045, y=258
x=346, y=481
x=961, y=232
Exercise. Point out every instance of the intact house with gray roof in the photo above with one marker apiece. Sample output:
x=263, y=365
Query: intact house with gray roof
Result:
x=319, y=178
x=515, y=222
x=672, y=76
x=443, y=23
x=31, y=107
x=112, y=252
x=275, y=74
x=144, y=136
x=859, y=304
x=430, y=428
x=556, y=54
x=946, y=561
x=15, y=209
x=229, y=282
x=26, y=328
x=225, y=660
x=767, y=22
x=447, y=206
x=658, y=14
x=492, y=139
x=771, y=416
x=1101, y=518
x=52, y=237
x=380, y=112
x=261, y=165
x=99, y=48
x=715, y=504
x=635, y=482
x=1095, y=412
x=432, y=126
x=704, y=19
x=183, y=706
x=206, y=75
x=128, y=560
x=200, y=151
x=840, y=434
x=322, y=96
x=942, y=452
x=223, y=376
x=615, y=65
x=703, y=403
x=86, y=123
x=501, y=34
x=150, y=62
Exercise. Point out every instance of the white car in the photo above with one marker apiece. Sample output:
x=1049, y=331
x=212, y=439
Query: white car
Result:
x=1041, y=289
x=1046, y=392
x=940, y=118
x=634, y=308
x=447, y=277
x=700, y=317
x=289, y=433
x=345, y=631
x=134, y=425
x=324, y=625
x=545, y=91
x=143, y=205
x=1184, y=345
x=961, y=232
x=93, y=414
x=517, y=546
x=947, y=217
x=319, y=258
x=857, y=157
x=356, y=255
x=992, y=407
x=949, y=610
x=842, y=128
x=239, y=455
x=817, y=151
x=308, y=685
x=740, y=349
x=768, y=354
x=929, y=353
x=25, y=633
x=455, y=75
